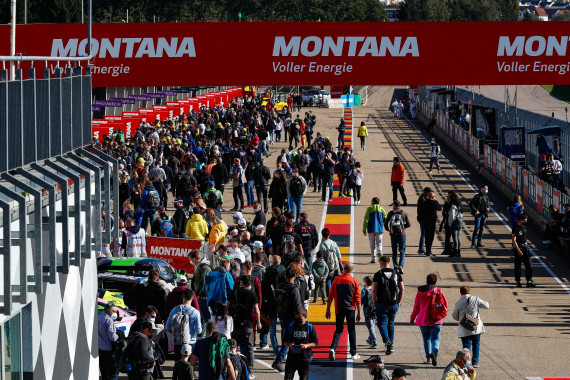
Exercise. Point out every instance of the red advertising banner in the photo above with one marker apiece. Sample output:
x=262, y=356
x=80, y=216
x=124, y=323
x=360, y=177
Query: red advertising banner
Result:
x=503, y=169
x=173, y=251
x=494, y=161
x=538, y=194
x=100, y=128
x=514, y=175
x=556, y=198
x=476, y=143
x=486, y=148
x=336, y=92
x=297, y=53
x=525, y=182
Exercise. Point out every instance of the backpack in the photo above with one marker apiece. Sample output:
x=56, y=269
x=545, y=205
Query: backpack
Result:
x=369, y=309
x=180, y=323
x=212, y=200
x=397, y=224
x=457, y=222
x=153, y=200
x=296, y=187
x=238, y=311
x=438, y=309
x=301, y=160
x=284, y=240
x=331, y=259
x=389, y=288
x=280, y=301
x=166, y=228
x=124, y=357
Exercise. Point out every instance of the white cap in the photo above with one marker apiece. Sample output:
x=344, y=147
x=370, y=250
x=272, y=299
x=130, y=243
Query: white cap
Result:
x=186, y=350
x=237, y=215
x=260, y=227
x=242, y=222
x=257, y=244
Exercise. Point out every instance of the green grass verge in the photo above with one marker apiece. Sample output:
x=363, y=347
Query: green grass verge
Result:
x=561, y=92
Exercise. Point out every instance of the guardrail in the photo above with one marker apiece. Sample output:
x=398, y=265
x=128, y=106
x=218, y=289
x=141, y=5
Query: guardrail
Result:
x=535, y=193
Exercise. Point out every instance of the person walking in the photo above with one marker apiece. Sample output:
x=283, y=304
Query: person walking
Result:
x=369, y=311
x=434, y=152
x=480, y=210
x=150, y=200
x=396, y=223
x=363, y=134
x=341, y=129
x=140, y=353
x=181, y=316
x=470, y=334
x=427, y=296
x=397, y=179
x=345, y=292
x=331, y=255
x=356, y=177
x=373, y=226
x=236, y=174
x=428, y=219
x=460, y=368
x=521, y=252
x=107, y=336
x=301, y=337
x=261, y=176
x=455, y=222
x=296, y=190
x=387, y=293
x=328, y=161
x=420, y=210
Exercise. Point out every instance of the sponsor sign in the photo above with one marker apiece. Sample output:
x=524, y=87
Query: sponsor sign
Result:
x=173, y=251
x=525, y=182
x=125, y=100
x=539, y=194
x=556, y=198
x=296, y=53
x=95, y=108
x=108, y=103
x=142, y=98
x=514, y=175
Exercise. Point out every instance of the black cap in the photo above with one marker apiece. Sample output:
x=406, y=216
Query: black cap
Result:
x=373, y=359
x=427, y=189
x=399, y=372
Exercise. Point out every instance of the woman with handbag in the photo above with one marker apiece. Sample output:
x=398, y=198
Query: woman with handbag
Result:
x=455, y=222
x=471, y=326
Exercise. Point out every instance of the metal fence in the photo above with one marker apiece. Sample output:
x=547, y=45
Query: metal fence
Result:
x=536, y=193
x=43, y=117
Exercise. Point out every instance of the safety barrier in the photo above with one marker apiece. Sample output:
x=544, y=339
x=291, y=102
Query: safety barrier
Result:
x=536, y=193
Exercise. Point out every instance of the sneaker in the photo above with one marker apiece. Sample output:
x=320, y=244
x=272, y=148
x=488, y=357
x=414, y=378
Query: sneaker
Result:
x=355, y=356
x=530, y=284
x=546, y=242
x=473, y=246
x=323, y=200
x=251, y=376
x=439, y=171
x=405, y=204
x=429, y=172
x=401, y=270
x=374, y=347
x=476, y=365
x=368, y=341
x=373, y=261
x=480, y=245
x=389, y=348
x=519, y=285
x=276, y=365
x=433, y=359
x=331, y=354
x=264, y=347
x=421, y=252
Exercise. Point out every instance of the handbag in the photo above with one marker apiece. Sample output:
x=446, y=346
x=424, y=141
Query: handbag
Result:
x=468, y=321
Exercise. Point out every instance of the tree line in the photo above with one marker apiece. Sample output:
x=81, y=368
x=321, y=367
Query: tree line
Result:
x=70, y=11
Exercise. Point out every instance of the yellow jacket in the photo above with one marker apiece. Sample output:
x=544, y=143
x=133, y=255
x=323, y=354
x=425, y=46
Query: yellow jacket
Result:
x=217, y=235
x=362, y=131
x=196, y=228
x=452, y=373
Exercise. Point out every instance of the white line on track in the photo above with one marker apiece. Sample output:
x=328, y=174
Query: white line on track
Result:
x=501, y=219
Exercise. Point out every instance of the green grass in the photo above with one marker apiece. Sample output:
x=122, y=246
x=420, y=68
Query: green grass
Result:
x=561, y=92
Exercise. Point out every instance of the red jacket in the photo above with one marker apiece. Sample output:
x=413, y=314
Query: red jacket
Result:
x=398, y=173
x=422, y=306
x=345, y=291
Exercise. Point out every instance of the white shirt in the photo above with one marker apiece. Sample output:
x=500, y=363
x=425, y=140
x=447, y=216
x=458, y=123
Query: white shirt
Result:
x=237, y=254
x=557, y=166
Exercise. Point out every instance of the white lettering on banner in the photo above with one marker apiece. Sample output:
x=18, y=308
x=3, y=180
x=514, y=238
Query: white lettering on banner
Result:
x=537, y=66
x=170, y=251
x=312, y=46
x=128, y=128
x=150, y=47
x=313, y=67
x=532, y=46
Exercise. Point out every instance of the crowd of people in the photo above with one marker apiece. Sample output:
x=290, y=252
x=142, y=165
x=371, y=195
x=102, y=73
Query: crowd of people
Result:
x=266, y=271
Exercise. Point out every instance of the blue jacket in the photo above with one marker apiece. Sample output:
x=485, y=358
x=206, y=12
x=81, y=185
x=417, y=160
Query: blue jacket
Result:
x=218, y=284
x=144, y=197
x=374, y=219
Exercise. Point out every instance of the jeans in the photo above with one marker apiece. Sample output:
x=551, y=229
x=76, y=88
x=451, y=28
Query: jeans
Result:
x=284, y=349
x=296, y=205
x=320, y=285
x=148, y=216
x=317, y=174
x=204, y=312
x=430, y=235
x=300, y=366
x=456, y=234
x=385, y=316
x=431, y=336
x=422, y=237
x=273, y=337
x=221, y=187
x=398, y=242
x=263, y=147
x=375, y=239
x=472, y=342
x=278, y=135
x=238, y=195
x=480, y=221
x=341, y=140
x=271, y=136
x=371, y=325
x=350, y=326
x=524, y=259
x=362, y=142
x=397, y=186
x=107, y=365
x=262, y=194
x=249, y=192
x=356, y=194
x=244, y=337
x=327, y=180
